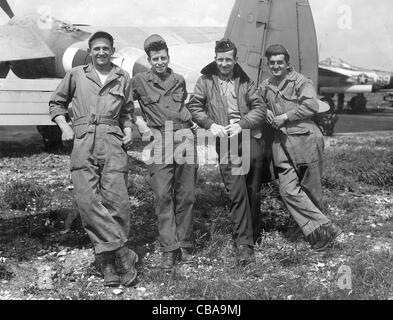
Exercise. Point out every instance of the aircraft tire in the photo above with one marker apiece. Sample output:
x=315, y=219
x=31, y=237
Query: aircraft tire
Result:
x=358, y=104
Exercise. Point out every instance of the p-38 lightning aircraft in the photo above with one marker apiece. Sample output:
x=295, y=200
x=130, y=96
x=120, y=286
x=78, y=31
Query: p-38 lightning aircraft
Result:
x=41, y=49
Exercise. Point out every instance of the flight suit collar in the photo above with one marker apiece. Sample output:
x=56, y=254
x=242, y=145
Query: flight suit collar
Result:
x=290, y=77
x=239, y=76
x=92, y=74
x=151, y=76
x=212, y=69
x=167, y=86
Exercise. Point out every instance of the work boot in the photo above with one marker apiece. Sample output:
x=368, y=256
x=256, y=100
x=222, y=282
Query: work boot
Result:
x=108, y=269
x=126, y=260
x=322, y=237
x=185, y=256
x=168, y=260
x=333, y=230
x=245, y=255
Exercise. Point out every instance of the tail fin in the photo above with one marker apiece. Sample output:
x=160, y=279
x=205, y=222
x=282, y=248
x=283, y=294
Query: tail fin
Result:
x=256, y=24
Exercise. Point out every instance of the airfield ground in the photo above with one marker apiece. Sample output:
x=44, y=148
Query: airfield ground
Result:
x=38, y=260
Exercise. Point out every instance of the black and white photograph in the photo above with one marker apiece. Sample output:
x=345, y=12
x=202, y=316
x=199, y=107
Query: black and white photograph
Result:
x=207, y=153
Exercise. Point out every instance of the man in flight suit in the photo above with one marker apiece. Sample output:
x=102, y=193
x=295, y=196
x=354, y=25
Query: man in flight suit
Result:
x=297, y=147
x=161, y=94
x=102, y=109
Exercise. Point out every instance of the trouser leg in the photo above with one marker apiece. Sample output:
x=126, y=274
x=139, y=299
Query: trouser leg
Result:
x=184, y=194
x=115, y=199
x=303, y=210
x=240, y=212
x=99, y=223
x=162, y=177
x=310, y=181
x=254, y=183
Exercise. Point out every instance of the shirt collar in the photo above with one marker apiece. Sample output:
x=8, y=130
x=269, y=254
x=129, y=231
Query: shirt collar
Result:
x=230, y=80
x=151, y=76
x=93, y=75
x=290, y=77
x=89, y=68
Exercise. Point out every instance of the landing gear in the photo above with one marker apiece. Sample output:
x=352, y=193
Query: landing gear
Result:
x=340, y=102
x=358, y=103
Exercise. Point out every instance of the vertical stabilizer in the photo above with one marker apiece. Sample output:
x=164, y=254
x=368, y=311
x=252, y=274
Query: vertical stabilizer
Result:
x=256, y=24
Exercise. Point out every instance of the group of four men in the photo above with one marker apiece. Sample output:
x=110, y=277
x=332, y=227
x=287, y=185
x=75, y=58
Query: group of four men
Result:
x=274, y=119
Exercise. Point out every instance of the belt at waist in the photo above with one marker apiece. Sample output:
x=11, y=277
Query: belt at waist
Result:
x=176, y=126
x=95, y=119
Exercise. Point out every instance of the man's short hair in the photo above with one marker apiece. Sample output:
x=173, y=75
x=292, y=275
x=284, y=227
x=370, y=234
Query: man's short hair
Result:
x=155, y=43
x=226, y=45
x=101, y=34
x=275, y=50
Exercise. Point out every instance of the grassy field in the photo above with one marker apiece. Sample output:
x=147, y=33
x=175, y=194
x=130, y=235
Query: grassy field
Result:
x=38, y=260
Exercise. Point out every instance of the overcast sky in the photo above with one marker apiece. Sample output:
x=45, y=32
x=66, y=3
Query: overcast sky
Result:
x=358, y=31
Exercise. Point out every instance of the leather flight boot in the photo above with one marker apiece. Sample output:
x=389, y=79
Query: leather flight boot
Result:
x=323, y=237
x=126, y=260
x=108, y=269
x=245, y=255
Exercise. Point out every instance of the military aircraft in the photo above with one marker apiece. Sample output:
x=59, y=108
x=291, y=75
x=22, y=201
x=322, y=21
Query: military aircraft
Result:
x=41, y=49
x=339, y=77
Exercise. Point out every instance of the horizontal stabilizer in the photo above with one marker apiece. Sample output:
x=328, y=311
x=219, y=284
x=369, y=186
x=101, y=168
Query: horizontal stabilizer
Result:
x=20, y=43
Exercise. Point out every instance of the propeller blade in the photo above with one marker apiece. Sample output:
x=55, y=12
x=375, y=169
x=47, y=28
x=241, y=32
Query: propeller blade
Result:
x=6, y=8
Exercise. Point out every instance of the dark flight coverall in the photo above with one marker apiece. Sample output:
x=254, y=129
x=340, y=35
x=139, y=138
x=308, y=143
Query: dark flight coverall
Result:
x=173, y=183
x=99, y=163
x=297, y=148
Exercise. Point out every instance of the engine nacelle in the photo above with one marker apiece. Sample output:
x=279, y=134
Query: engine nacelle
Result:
x=75, y=55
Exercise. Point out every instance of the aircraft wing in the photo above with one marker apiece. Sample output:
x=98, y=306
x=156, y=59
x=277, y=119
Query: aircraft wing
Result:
x=19, y=43
x=25, y=102
x=334, y=72
x=174, y=36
